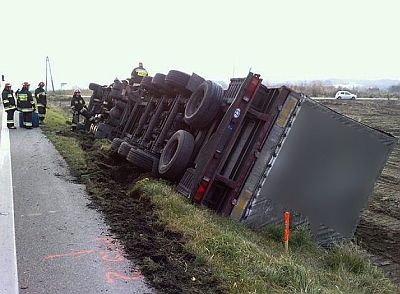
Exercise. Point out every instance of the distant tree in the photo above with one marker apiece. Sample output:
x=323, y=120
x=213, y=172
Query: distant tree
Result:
x=394, y=88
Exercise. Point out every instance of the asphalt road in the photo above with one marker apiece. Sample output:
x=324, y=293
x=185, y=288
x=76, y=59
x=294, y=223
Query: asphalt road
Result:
x=60, y=245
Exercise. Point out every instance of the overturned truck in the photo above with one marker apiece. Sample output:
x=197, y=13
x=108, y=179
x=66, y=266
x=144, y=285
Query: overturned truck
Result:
x=248, y=151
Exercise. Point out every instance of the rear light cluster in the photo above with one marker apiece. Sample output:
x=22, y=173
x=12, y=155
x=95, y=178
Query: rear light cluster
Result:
x=251, y=88
x=198, y=197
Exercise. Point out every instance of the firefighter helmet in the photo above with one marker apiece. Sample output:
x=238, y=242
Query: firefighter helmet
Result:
x=7, y=86
x=41, y=84
x=25, y=84
x=77, y=91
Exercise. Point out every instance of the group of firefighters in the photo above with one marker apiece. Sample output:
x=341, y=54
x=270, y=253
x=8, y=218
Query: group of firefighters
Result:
x=24, y=101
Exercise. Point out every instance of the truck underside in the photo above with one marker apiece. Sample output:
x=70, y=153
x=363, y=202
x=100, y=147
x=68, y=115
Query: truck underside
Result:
x=249, y=152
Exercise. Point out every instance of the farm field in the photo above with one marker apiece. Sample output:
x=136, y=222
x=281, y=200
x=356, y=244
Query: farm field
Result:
x=379, y=228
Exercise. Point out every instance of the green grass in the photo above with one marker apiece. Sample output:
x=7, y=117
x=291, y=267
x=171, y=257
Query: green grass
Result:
x=245, y=261
x=57, y=122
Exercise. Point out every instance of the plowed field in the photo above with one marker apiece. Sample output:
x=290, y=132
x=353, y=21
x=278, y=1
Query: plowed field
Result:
x=379, y=228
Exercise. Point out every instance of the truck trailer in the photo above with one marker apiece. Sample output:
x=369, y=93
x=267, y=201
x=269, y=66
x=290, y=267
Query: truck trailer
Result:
x=252, y=152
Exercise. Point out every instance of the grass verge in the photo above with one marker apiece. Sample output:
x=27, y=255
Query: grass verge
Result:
x=240, y=260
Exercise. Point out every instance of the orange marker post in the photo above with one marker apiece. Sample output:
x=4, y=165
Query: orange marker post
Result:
x=286, y=234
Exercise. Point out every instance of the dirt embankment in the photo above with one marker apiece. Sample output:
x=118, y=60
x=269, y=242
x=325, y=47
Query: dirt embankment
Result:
x=379, y=228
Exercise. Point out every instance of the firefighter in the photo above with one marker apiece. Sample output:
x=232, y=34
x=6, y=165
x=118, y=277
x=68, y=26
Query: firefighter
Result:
x=41, y=102
x=26, y=105
x=137, y=75
x=9, y=104
x=78, y=107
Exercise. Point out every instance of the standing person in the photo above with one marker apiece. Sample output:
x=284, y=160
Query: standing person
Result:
x=41, y=102
x=137, y=74
x=9, y=104
x=78, y=107
x=26, y=105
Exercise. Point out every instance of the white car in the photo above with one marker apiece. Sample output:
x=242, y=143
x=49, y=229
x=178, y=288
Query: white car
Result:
x=345, y=95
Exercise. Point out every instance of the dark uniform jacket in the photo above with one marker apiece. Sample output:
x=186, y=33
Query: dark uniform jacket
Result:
x=137, y=74
x=25, y=101
x=77, y=103
x=8, y=99
x=40, y=95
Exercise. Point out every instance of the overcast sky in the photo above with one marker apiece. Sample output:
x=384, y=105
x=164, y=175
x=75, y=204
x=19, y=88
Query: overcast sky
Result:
x=96, y=41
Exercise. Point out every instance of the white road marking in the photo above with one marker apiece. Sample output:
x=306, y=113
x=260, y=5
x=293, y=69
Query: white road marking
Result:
x=8, y=254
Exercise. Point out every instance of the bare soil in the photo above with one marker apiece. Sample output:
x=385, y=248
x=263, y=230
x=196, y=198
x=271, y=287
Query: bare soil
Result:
x=160, y=253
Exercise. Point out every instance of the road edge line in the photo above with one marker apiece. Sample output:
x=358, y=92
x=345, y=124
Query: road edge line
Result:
x=8, y=252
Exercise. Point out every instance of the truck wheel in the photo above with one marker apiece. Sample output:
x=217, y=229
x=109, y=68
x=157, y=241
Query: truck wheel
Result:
x=115, y=112
x=178, y=80
x=94, y=86
x=124, y=149
x=141, y=159
x=101, y=131
x=120, y=104
x=159, y=82
x=148, y=85
x=112, y=121
x=176, y=155
x=203, y=104
x=115, y=93
x=116, y=143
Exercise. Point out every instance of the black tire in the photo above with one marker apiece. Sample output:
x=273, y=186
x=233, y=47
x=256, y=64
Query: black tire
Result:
x=124, y=149
x=116, y=143
x=102, y=131
x=118, y=86
x=94, y=86
x=142, y=159
x=99, y=93
x=148, y=85
x=159, y=82
x=114, y=122
x=176, y=155
x=203, y=104
x=115, y=112
x=179, y=81
x=114, y=93
x=120, y=105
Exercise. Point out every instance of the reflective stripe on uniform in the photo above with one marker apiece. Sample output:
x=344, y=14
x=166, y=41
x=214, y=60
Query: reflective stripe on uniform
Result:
x=11, y=107
x=26, y=110
x=6, y=101
x=23, y=97
x=141, y=72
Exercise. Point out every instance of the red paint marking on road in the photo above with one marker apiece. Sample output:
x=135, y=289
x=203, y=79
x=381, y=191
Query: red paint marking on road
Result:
x=110, y=277
x=112, y=256
x=114, y=253
x=73, y=253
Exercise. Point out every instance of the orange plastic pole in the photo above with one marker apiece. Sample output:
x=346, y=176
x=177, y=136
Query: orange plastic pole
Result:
x=286, y=234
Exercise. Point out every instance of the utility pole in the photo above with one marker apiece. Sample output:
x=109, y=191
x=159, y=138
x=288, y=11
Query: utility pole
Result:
x=51, y=76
